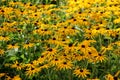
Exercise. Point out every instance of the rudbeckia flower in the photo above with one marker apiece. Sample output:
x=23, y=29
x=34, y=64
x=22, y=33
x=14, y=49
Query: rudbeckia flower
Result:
x=81, y=73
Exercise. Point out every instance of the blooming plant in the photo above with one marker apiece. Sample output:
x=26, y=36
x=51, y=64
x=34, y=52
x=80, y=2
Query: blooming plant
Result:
x=59, y=40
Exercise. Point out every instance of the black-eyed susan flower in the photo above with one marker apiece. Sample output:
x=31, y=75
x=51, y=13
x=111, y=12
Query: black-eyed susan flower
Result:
x=2, y=74
x=77, y=57
x=17, y=65
x=64, y=65
x=84, y=46
x=45, y=66
x=69, y=48
x=117, y=43
x=2, y=52
x=91, y=54
x=42, y=59
x=4, y=38
x=109, y=77
x=17, y=77
x=8, y=77
x=3, y=29
x=100, y=57
x=69, y=30
x=105, y=48
x=55, y=61
x=28, y=45
x=117, y=21
x=81, y=73
x=117, y=52
x=30, y=71
x=12, y=46
x=93, y=79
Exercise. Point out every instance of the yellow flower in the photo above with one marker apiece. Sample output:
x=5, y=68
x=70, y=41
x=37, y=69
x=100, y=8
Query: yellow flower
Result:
x=4, y=38
x=55, y=61
x=109, y=77
x=77, y=57
x=69, y=48
x=113, y=77
x=93, y=79
x=84, y=46
x=42, y=32
x=88, y=33
x=50, y=52
x=64, y=65
x=101, y=57
x=117, y=43
x=8, y=78
x=81, y=72
x=54, y=40
x=3, y=28
x=28, y=45
x=32, y=70
x=91, y=54
x=12, y=46
x=3, y=0
x=117, y=74
x=45, y=66
x=117, y=51
x=16, y=78
x=2, y=51
x=17, y=65
x=117, y=21
x=104, y=49
x=97, y=29
x=41, y=59
x=2, y=74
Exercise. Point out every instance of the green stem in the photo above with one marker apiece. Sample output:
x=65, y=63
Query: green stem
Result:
x=100, y=41
x=93, y=71
x=49, y=76
x=70, y=75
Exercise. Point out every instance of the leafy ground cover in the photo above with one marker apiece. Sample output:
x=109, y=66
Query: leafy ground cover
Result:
x=60, y=40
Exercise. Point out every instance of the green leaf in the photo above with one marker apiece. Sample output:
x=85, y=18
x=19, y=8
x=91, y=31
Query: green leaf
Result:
x=11, y=52
x=24, y=26
x=13, y=58
x=22, y=56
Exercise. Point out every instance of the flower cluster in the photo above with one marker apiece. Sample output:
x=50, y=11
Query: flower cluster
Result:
x=79, y=39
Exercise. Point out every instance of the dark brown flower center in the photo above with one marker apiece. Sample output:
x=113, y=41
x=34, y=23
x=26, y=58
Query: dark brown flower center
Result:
x=64, y=55
x=18, y=64
x=73, y=28
x=32, y=68
x=63, y=39
x=100, y=54
x=27, y=43
x=80, y=12
x=42, y=56
x=64, y=63
x=65, y=27
x=89, y=53
x=74, y=20
x=83, y=46
x=70, y=45
x=97, y=28
x=56, y=59
x=50, y=49
x=13, y=44
x=2, y=11
x=84, y=20
x=35, y=14
x=30, y=4
x=81, y=70
x=54, y=38
x=45, y=30
x=115, y=78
